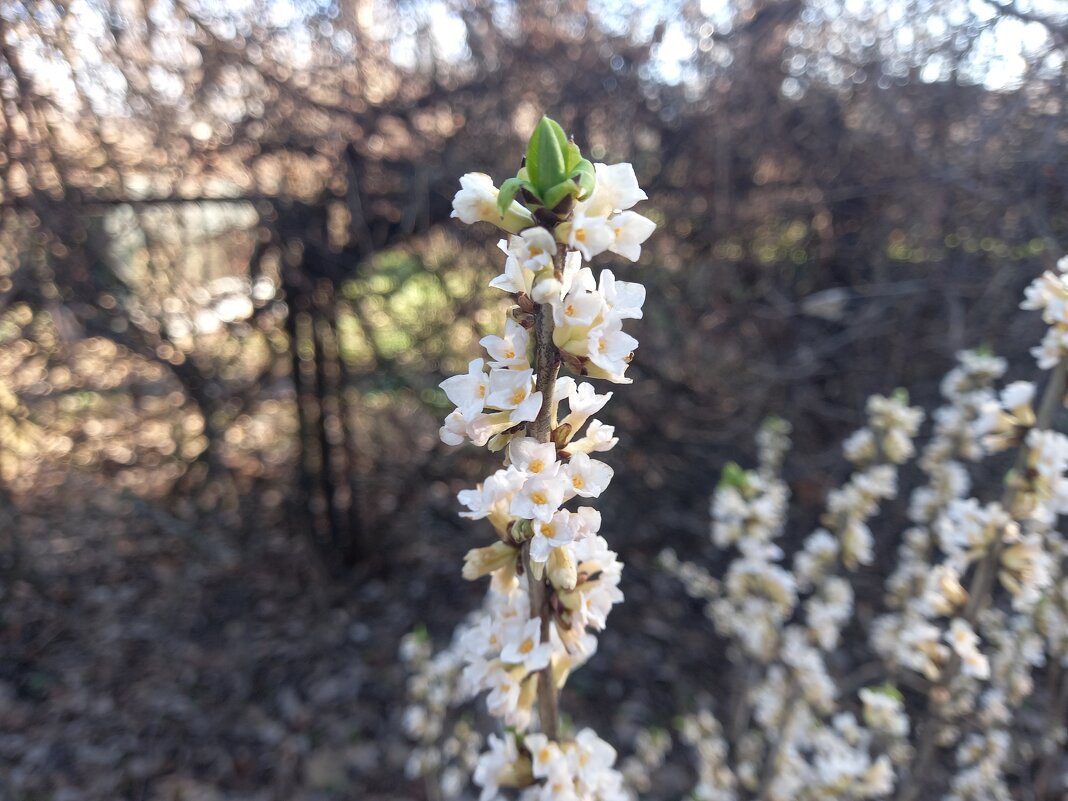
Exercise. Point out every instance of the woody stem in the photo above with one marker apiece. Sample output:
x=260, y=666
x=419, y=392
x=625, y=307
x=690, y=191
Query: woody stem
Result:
x=547, y=368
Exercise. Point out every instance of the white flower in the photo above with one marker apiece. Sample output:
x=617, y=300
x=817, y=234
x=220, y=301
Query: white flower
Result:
x=588, y=477
x=591, y=235
x=476, y=201
x=578, y=310
x=509, y=351
x=572, y=267
x=524, y=647
x=616, y=189
x=546, y=758
x=540, y=497
x=815, y=560
x=534, y=249
x=599, y=437
x=454, y=431
x=497, y=489
x=485, y=426
x=468, y=392
x=513, y=390
x=560, y=530
x=593, y=756
x=964, y=641
x=630, y=230
x=1053, y=348
x=1048, y=294
x=857, y=543
x=582, y=400
x=496, y=765
x=885, y=712
x=514, y=279
x=504, y=689
x=1017, y=395
x=533, y=457
x=609, y=348
x=625, y=298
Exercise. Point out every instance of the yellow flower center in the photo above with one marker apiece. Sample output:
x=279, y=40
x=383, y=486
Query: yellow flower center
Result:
x=537, y=466
x=527, y=646
x=578, y=482
x=519, y=396
x=580, y=235
x=539, y=498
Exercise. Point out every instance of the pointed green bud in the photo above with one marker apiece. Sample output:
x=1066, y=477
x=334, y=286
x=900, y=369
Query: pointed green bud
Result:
x=887, y=689
x=734, y=476
x=546, y=164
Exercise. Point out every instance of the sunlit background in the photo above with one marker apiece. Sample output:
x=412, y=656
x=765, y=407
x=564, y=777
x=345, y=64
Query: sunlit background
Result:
x=229, y=288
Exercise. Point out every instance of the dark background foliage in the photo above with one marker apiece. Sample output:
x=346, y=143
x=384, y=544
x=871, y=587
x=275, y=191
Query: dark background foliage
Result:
x=229, y=287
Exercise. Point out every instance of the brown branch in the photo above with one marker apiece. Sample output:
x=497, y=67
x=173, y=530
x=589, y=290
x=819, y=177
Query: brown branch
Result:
x=547, y=368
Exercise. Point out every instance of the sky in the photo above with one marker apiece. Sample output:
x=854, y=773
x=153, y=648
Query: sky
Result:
x=1003, y=52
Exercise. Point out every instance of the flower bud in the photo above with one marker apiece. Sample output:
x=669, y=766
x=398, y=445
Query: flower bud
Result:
x=562, y=435
x=477, y=202
x=562, y=571
x=546, y=287
x=480, y=561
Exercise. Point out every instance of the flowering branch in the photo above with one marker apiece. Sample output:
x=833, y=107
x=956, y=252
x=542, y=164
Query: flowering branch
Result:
x=970, y=652
x=554, y=580
x=980, y=590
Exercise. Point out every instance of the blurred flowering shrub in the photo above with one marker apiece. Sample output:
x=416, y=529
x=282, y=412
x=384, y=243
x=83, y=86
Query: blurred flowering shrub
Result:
x=941, y=699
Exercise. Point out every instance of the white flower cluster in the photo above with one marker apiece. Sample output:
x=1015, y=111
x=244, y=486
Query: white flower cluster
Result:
x=977, y=602
x=445, y=753
x=502, y=646
x=1049, y=294
x=575, y=769
x=554, y=578
x=816, y=750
